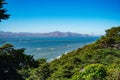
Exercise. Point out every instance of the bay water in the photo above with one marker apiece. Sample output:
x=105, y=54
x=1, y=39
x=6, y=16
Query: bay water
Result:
x=48, y=47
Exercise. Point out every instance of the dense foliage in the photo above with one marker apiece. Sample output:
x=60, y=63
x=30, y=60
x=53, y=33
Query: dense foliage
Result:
x=13, y=60
x=97, y=61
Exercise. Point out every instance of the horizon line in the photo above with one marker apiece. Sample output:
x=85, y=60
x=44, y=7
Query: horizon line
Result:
x=92, y=33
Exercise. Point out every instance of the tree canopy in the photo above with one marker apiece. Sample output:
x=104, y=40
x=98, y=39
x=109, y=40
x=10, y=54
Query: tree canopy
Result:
x=3, y=14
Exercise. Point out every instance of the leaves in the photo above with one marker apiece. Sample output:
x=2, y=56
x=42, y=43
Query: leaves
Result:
x=3, y=15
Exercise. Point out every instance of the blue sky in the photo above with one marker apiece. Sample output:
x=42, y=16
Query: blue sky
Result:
x=81, y=16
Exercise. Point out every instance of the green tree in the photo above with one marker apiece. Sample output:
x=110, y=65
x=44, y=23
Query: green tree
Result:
x=92, y=72
x=113, y=72
x=3, y=15
x=40, y=73
x=12, y=60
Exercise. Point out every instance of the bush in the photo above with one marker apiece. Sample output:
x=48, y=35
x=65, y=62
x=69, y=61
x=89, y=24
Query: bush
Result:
x=91, y=72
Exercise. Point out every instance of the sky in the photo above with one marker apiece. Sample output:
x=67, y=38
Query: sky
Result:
x=80, y=16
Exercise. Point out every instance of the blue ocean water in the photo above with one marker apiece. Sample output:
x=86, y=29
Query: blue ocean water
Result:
x=49, y=48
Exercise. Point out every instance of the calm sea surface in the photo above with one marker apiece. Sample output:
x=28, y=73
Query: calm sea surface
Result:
x=49, y=48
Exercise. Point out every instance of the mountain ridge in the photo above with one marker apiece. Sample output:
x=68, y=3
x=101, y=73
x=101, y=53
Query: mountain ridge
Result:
x=49, y=34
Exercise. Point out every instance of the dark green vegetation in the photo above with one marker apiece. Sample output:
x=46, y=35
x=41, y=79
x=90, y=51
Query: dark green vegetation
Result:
x=3, y=14
x=97, y=61
x=13, y=61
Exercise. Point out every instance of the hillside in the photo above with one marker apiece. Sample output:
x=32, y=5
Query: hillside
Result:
x=97, y=61
x=105, y=51
x=50, y=34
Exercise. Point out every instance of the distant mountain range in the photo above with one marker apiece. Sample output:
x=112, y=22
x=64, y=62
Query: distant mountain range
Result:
x=50, y=34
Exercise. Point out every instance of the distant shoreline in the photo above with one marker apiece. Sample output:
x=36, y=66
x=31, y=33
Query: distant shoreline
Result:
x=50, y=34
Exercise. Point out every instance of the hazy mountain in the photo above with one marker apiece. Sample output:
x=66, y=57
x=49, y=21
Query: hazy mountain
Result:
x=50, y=34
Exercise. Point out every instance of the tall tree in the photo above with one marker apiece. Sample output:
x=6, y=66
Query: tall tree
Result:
x=3, y=15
